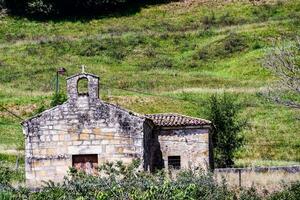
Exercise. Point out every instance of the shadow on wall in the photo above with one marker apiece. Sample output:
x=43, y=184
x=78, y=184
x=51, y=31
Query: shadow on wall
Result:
x=156, y=158
x=79, y=10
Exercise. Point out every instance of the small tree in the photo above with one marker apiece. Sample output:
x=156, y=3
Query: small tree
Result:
x=223, y=113
x=284, y=62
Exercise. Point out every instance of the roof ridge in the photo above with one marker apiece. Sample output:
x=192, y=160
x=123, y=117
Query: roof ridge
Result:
x=198, y=118
x=176, y=119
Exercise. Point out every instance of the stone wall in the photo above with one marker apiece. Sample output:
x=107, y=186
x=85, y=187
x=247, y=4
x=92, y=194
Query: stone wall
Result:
x=82, y=125
x=191, y=144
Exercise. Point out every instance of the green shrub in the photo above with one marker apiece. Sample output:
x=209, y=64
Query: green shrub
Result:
x=114, y=48
x=5, y=175
x=249, y=194
x=290, y=192
x=265, y=11
x=208, y=20
x=150, y=52
x=223, y=113
x=233, y=43
x=57, y=99
x=161, y=62
x=11, y=37
x=6, y=195
x=227, y=19
x=118, y=181
x=41, y=7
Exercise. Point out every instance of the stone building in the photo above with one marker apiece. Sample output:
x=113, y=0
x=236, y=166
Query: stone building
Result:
x=85, y=131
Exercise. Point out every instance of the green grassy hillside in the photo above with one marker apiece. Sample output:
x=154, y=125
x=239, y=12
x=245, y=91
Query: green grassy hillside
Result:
x=165, y=58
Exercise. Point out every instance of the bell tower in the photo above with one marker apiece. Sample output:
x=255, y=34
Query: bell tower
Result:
x=92, y=85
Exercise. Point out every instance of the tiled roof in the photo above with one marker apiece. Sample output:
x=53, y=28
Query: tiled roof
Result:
x=173, y=119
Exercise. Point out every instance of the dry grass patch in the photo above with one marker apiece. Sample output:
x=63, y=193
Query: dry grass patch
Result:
x=262, y=181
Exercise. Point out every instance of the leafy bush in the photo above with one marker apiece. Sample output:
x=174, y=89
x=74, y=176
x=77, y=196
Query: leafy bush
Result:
x=126, y=182
x=6, y=195
x=265, y=11
x=223, y=113
x=119, y=181
x=290, y=192
x=234, y=43
x=227, y=19
x=231, y=44
x=115, y=48
x=161, y=62
x=5, y=175
x=40, y=7
x=208, y=20
x=11, y=168
x=249, y=194
x=57, y=99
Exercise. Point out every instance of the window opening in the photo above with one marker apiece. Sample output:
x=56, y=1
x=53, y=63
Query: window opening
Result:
x=174, y=162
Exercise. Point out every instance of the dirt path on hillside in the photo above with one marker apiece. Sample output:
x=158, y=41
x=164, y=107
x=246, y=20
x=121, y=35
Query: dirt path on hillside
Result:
x=219, y=90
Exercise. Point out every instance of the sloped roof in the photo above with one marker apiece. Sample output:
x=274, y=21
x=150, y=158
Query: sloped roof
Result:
x=174, y=119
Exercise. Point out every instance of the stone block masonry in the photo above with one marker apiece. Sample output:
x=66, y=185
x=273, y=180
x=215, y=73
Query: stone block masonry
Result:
x=82, y=125
x=191, y=145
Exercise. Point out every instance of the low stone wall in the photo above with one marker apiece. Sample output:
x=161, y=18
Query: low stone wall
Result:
x=289, y=169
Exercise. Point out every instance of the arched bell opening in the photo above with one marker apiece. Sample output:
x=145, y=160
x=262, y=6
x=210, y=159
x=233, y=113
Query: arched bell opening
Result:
x=83, y=86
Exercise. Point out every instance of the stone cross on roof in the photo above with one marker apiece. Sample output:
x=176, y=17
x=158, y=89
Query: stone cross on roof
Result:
x=83, y=69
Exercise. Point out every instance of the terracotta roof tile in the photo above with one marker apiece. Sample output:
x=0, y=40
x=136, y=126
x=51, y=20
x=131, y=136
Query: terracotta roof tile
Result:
x=174, y=119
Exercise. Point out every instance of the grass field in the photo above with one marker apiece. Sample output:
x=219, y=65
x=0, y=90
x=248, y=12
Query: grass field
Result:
x=164, y=58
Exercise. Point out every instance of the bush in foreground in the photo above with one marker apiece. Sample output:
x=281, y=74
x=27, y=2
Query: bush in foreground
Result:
x=117, y=181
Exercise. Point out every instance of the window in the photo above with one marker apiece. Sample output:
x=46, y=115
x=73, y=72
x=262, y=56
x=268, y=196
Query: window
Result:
x=174, y=162
x=83, y=86
x=87, y=163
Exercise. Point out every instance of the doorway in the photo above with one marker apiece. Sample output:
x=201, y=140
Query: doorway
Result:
x=87, y=163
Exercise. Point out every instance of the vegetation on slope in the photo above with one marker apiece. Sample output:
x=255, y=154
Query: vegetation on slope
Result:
x=165, y=58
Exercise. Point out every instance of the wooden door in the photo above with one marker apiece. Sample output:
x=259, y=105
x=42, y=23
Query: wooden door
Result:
x=87, y=163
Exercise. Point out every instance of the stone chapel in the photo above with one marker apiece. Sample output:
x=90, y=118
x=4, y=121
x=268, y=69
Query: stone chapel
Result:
x=85, y=132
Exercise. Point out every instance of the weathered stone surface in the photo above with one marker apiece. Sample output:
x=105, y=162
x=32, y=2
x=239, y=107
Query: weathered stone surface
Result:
x=82, y=125
x=190, y=145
